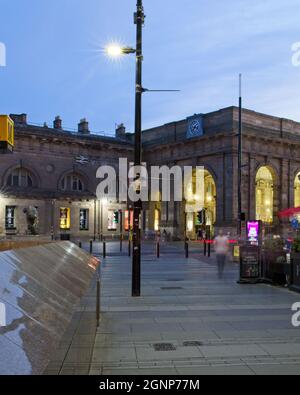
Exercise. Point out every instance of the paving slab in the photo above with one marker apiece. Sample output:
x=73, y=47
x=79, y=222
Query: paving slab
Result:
x=214, y=326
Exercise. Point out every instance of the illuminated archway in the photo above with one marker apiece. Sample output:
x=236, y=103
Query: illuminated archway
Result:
x=264, y=195
x=297, y=190
x=209, y=203
x=157, y=220
x=210, y=198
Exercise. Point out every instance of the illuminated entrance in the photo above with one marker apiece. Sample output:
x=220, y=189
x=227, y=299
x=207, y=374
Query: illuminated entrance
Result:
x=157, y=220
x=210, y=204
x=210, y=201
x=264, y=195
x=297, y=190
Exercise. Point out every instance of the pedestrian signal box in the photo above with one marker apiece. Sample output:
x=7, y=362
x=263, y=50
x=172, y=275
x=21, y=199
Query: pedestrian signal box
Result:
x=7, y=134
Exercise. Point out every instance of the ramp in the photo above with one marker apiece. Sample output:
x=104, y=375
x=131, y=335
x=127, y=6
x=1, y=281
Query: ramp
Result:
x=40, y=288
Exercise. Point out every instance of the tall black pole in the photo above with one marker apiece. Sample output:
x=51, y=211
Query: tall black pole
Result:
x=240, y=148
x=136, y=259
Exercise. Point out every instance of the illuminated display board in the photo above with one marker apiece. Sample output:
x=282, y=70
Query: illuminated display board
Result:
x=7, y=133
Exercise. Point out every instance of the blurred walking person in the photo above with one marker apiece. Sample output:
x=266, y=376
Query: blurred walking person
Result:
x=221, y=248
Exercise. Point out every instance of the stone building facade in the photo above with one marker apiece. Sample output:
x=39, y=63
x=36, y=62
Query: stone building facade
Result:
x=54, y=171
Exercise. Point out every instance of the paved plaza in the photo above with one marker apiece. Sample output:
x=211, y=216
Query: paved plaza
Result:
x=190, y=322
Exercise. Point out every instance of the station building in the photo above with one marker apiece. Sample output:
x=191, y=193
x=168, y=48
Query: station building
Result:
x=54, y=171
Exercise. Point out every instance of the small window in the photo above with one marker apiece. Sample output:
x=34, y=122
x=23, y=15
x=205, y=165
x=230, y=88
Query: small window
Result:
x=10, y=218
x=65, y=218
x=111, y=223
x=84, y=219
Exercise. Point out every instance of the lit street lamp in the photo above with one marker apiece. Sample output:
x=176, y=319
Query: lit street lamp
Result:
x=115, y=51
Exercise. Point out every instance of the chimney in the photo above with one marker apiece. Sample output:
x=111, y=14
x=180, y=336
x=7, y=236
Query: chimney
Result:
x=83, y=127
x=57, y=124
x=19, y=118
x=121, y=131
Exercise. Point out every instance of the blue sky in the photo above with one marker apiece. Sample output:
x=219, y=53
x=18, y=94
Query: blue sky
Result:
x=55, y=66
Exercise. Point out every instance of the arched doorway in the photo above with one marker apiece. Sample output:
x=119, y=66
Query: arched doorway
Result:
x=210, y=199
x=157, y=217
x=297, y=190
x=264, y=195
x=210, y=204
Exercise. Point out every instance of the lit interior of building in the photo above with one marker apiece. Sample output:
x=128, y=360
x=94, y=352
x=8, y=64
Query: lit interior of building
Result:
x=264, y=195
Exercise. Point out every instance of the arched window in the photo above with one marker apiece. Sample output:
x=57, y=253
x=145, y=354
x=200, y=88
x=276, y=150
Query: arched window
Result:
x=264, y=195
x=72, y=182
x=297, y=190
x=21, y=178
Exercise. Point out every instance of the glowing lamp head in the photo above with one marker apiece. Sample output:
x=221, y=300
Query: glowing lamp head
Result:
x=114, y=50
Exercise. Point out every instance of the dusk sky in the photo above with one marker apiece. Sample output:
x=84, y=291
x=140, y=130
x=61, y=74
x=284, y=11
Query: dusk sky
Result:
x=55, y=65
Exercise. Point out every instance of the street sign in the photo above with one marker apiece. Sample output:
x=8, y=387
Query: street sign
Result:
x=7, y=133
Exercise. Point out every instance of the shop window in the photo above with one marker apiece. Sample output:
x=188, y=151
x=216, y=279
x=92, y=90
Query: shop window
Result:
x=65, y=218
x=10, y=217
x=84, y=219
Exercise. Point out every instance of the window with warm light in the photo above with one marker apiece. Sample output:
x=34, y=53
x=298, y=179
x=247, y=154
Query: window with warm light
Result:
x=264, y=195
x=128, y=220
x=297, y=190
x=65, y=218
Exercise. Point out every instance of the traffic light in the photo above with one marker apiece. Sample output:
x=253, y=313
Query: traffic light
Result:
x=242, y=216
x=116, y=217
x=201, y=216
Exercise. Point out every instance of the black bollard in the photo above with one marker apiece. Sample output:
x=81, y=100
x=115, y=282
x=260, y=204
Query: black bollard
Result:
x=205, y=247
x=129, y=247
x=186, y=249
x=80, y=244
x=121, y=243
x=158, y=250
x=209, y=248
x=91, y=246
x=98, y=303
x=104, y=249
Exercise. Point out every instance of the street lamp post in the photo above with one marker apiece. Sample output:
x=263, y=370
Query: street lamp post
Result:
x=115, y=51
x=240, y=148
x=136, y=257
